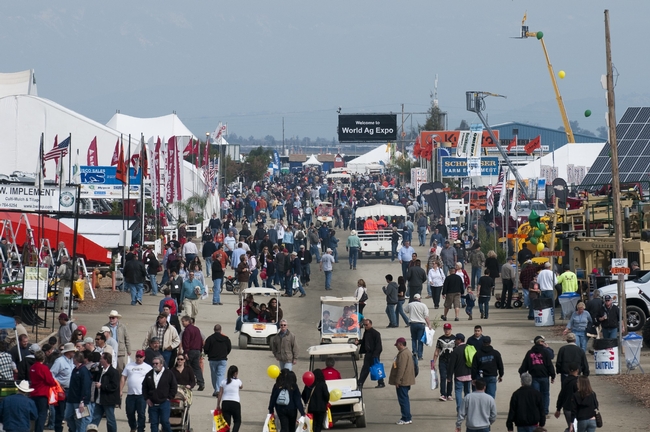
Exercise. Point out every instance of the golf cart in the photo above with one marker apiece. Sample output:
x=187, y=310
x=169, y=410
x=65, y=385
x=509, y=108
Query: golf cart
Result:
x=350, y=406
x=325, y=214
x=339, y=320
x=257, y=333
x=380, y=240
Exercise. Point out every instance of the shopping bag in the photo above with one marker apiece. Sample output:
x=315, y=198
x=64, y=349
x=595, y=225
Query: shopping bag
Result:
x=427, y=337
x=303, y=424
x=327, y=420
x=295, y=283
x=377, y=371
x=219, y=424
x=51, y=396
x=78, y=288
x=269, y=424
x=434, y=376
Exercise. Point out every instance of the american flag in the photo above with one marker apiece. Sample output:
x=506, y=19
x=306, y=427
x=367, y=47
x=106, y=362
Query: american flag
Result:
x=59, y=151
x=210, y=174
x=499, y=186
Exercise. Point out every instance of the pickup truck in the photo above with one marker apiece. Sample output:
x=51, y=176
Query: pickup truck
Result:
x=637, y=294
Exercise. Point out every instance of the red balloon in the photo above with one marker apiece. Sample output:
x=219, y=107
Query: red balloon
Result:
x=385, y=183
x=83, y=330
x=308, y=378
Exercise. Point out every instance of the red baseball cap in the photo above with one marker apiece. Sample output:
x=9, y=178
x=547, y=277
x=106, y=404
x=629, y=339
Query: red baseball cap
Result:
x=140, y=353
x=447, y=326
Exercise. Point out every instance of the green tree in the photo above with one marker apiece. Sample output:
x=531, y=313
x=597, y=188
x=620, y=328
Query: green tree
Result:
x=402, y=166
x=575, y=127
x=487, y=244
x=435, y=118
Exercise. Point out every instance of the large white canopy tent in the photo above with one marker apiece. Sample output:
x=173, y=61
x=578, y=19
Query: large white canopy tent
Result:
x=312, y=161
x=377, y=156
x=577, y=154
x=164, y=126
x=18, y=83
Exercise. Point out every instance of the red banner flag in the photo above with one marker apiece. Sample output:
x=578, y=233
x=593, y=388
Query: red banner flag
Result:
x=116, y=153
x=174, y=192
x=91, y=158
x=512, y=144
x=533, y=145
x=122, y=168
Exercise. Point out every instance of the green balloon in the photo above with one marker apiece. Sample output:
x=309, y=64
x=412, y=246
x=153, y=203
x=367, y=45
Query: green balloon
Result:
x=542, y=228
x=534, y=240
x=540, y=35
x=532, y=224
x=587, y=113
x=538, y=233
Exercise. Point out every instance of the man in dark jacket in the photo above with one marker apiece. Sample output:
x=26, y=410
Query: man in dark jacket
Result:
x=192, y=343
x=416, y=276
x=305, y=267
x=609, y=319
x=452, y=289
x=209, y=247
x=568, y=354
x=565, y=398
x=282, y=267
x=107, y=394
x=134, y=277
x=391, y=300
x=217, y=347
x=158, y=387
x=538, y=363
x=488, y=365
x=370, y=346
x=524, y=254
x=526, y=406
x=459, y=370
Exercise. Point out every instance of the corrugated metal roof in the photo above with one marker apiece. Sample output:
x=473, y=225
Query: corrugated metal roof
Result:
x=551, y=137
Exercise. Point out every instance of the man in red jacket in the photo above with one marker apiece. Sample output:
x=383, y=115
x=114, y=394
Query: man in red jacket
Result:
x=193, y=345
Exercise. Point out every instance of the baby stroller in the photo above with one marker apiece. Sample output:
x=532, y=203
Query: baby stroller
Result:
x=179, y=416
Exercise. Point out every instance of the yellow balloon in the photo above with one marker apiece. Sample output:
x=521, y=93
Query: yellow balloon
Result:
x=273, y=371
x=335, y=395
x=540, y=246
x=561, y=74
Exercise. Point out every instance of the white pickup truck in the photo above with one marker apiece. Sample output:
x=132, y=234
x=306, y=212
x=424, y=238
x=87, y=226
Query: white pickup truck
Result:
x=637, y=294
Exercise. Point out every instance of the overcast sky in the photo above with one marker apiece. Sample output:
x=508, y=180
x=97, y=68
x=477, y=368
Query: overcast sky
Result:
x=251, y=63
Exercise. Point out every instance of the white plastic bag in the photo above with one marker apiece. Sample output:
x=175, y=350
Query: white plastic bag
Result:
x=269, y=424
x=434, y=376
x=303, y=424
x=429, y=335
x=295, y=283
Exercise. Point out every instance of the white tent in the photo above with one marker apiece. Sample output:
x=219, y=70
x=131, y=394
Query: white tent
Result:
x=577, y=155
x=165, y=126
x=312, y=161
x=18, y=83
x=377, y=156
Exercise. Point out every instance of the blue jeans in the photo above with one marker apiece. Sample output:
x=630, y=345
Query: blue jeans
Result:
x=405, y=267
x=404, y=403
x=417, y=331
x=487, y=429
x=313, y=249
x=165, y=277
x=216, y=290
x=109, y=410
x=335, y=254
x=610, y=333
x=328, y=279
x=390, y=311
x=476, y=275
x=135, y=405
x=189, y=257
x=542, y=386
x=581, y=339
x=74, y=424
x=217, y=373
x=587, y=425
x=208, y=264
x=354, y=253
x=461, y=387
x=159, y=415
x=393, y=253
x=43, y=408
x=167, y=356
x=154, y=284
x=136, y=291
x=526, y=428
x=422, y=235
x=287, y=365
x=491, y=386
x=445, y=387
x=547, y=294
x=484, y=305
x=252, y=280
x=399, y=311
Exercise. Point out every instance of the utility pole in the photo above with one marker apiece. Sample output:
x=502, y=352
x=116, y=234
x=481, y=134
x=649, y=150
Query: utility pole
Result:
x=616, y=181
x=403, y=133
x=282, y=136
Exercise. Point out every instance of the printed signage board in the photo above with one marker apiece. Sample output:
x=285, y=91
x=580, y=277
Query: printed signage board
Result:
x=457, y=167
x=35, y=283
x=367, y=127
x=100, y=182
x=30, y=198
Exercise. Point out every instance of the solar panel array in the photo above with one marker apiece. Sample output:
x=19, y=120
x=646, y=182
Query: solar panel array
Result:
x=633, y=136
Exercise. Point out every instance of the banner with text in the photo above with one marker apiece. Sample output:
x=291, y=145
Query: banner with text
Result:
x=367, y=127
x=457, y=167
x=26, y=198
x=35, y=283
x=100, y=182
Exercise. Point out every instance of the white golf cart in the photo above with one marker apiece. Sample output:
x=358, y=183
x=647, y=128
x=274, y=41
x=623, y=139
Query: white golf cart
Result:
x=378, y=241
x=339, y=320
x=325, y=214
x=257, y=333
x=350, y=406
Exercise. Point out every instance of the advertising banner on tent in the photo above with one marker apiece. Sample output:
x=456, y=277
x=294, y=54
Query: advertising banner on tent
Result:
x=457, y=167
x=452, y=137
x=35, y=283
x=367, y=127
x=100, y=182
x=26, y=198
x=418, y=177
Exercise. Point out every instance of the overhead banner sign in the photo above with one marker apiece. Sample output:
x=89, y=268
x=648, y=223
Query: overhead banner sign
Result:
x=367, y=127
x=30, y=198
x=458, y=167
x=452, y=137
x=100, y=182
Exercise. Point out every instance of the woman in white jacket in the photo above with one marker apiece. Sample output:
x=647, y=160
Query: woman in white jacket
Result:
x=436, y=279
x=359, y=294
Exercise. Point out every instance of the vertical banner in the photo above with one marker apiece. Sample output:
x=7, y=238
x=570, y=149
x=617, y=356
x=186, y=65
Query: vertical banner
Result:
x=172, y=150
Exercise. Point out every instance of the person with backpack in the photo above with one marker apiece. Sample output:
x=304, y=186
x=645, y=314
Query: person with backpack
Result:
x=460, y=368
x=285, y=400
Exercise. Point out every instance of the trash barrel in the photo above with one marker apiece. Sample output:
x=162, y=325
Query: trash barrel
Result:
x=544, y=312
x=606, y=356
x=568, y=302
x=632, y=349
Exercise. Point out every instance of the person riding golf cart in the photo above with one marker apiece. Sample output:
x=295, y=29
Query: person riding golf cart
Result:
x=341, y=357
x=253, y=330
x=339, y=320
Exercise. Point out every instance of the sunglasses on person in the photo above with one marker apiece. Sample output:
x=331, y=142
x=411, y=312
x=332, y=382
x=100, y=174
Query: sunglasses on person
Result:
x=283, y=325
x=139, y=356
x=180, y=359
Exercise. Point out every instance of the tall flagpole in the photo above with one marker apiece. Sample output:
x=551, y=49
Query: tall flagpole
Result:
x=142, y=194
